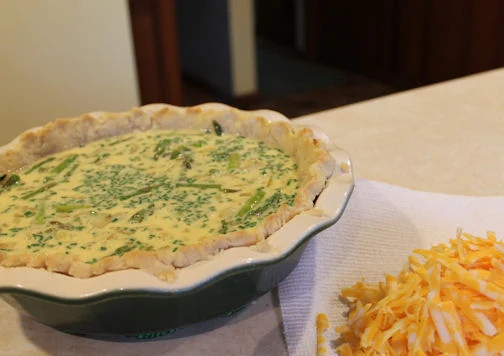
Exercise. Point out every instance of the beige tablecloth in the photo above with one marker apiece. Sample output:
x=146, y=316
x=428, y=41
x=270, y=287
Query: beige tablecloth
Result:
x=443, y=138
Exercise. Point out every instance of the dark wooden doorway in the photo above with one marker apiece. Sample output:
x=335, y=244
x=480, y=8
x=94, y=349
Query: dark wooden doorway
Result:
x=154, y=29
x=407, y=43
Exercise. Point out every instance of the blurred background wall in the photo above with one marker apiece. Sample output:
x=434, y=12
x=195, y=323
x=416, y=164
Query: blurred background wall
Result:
x=61, y=58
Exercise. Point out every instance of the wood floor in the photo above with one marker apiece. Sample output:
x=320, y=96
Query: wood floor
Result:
x=352, y=89
x=294, y=86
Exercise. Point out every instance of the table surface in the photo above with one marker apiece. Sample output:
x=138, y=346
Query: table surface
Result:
x=442, y=138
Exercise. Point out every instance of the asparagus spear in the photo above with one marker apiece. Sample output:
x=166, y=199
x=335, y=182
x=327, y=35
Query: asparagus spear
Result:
x=205, y=186
x=224, y=227
x=13, y=179
x=39, y=218
x=71, y=170
x=101, y=157
x=271, y=201
x=197, y=185
x=227, y=190
x=251, y=203
x=234, y=161
x=187, y=162
x=122, y=250
x=217, y=128
x=175, y=154
x=178, y=151
x=38, y=191
x=62, y=226
x=63, y=165
x=140, y=215
x=140, y=191
x=40, y=164
x=120, y=141
x=161, y=148
x=69, y=208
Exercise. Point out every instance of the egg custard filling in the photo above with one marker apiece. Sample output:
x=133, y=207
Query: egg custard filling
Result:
x=155, y=200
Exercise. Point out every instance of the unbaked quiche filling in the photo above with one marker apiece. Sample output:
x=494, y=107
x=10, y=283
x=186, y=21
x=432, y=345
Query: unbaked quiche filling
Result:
x=157, y=188
x=146, y=191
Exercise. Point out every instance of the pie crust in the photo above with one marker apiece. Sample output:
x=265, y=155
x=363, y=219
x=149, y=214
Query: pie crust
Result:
x=315, y=166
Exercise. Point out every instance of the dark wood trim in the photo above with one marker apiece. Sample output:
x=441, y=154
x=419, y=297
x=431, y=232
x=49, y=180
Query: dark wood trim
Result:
x=407, y=43
x=411, y=42
x=154, y=30
x=246, y=102
x=388, y=33
x=312, y=29
x=485, y=38
x=447, y=34
x=169, y=50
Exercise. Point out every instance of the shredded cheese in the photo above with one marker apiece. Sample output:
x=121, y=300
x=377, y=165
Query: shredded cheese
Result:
x=449, y=301
x=322, y=326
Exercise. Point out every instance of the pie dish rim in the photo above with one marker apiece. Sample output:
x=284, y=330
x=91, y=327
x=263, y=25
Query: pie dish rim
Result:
x=328, y=208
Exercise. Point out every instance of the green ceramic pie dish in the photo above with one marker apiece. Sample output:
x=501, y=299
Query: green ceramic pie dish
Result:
x=134, y=304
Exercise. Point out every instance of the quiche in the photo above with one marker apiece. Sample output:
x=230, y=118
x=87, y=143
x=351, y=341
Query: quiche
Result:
x=155, y=190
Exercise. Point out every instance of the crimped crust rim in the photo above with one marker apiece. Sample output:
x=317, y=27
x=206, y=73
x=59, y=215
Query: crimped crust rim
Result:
x=298, y=142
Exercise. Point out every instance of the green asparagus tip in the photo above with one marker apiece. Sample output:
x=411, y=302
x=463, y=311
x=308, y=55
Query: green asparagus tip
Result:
x=251, y=203
x=217, y=128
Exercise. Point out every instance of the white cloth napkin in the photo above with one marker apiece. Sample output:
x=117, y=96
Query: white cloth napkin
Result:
x=380, y=227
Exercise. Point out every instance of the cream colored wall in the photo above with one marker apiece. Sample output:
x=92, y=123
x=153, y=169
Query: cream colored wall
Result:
x=61, y=58
x=243, y=50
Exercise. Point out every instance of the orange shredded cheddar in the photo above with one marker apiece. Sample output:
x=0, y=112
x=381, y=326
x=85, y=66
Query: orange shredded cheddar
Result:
x=322, y=326
x=448, y=301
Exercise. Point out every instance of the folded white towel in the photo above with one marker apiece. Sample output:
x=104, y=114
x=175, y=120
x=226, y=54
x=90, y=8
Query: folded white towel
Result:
x=378, y=231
